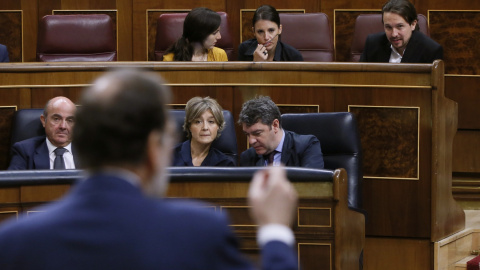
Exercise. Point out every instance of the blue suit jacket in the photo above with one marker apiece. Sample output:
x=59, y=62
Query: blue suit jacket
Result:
x=107, y=223
x=4, y=54
x=215, y=157
x=32, y=154
x=297, y=151
x=420, y=49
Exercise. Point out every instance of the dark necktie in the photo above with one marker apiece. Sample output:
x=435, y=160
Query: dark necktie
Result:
x=59, y=163
x=270, y=157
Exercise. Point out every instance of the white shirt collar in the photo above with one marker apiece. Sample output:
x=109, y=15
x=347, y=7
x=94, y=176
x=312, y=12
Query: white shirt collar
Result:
x=395, y=57
x=52, y=147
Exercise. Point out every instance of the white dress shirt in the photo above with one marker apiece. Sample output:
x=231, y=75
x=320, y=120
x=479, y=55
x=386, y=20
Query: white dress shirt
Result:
x=67, y=156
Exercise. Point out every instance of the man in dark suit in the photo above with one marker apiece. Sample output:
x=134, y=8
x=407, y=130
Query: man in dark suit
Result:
x=4, y=54
x=401, y=42
x=53, y=151
x=270, y=143
x=111, y=220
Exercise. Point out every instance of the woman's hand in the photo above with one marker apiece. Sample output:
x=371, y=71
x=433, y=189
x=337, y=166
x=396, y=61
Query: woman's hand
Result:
x=260, y=54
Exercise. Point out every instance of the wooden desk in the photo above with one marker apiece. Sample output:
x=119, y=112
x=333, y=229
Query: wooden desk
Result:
x=406, y=123
x=329, y=235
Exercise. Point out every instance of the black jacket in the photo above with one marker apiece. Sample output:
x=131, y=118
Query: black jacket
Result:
x=420, y=49
x=283, y=52
x=297, y=151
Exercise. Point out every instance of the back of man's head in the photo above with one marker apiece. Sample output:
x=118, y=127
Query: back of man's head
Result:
x=117, y=114
x=259, y=109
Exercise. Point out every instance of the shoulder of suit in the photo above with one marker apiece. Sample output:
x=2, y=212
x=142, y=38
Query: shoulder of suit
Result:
x=425, y=39
x=32, y=141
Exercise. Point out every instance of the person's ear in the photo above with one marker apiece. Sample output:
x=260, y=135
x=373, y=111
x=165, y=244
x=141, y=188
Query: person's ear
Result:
x=42, y=119
x=253, y=30
x=413, y=25
x=280, y=29
x=276, y=125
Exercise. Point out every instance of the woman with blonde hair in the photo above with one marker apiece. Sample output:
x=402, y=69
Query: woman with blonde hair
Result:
x=204, y=123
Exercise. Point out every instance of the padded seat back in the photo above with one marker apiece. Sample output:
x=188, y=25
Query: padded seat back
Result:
x=367, y=24
x=64, y=38
x=170, y=29
x=26, y=124
x=227, y=143
x=340, y=142
x=309, y=33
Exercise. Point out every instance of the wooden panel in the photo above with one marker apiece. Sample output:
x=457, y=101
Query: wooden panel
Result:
x=38, y=194
x=11, y=34
x=239, y=215
x=315, y=256
x=314, y=217
x=9, y=195
x=465, y=90
x=5, y=214
x=459, y=40
x=40, y=98
x=405, y=219
x=344, y=21
x=397, y=254
x=466, y=149
x=394, y=133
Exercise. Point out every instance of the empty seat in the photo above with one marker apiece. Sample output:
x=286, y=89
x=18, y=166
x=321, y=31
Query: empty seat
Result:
x=170, y=29
x=63, y=38
x=367, y=24
x=309, y=33
x=340, y=142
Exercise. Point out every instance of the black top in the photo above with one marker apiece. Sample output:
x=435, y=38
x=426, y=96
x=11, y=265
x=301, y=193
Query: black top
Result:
x=420, y=49
x=183, y=156
x=283, y=52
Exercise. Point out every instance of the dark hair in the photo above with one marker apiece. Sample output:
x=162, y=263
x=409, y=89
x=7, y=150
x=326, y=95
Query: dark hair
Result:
x=260, y=109
x=268, y=13
x=198, y=25
x=118, y=113
x=403, y=8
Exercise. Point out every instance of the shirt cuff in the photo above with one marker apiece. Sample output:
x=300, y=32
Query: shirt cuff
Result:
x=275, y=232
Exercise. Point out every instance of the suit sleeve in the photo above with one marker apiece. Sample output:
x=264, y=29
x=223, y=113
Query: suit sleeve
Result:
x=18, y=161
x=312, y=157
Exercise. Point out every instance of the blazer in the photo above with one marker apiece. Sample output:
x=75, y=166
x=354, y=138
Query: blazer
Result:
x=183, y=156
x=283, y=51
x=420, y=49
x=106, y=222
x=214, y=55
x=4, y=54
x=32, y=154
x=297, y=151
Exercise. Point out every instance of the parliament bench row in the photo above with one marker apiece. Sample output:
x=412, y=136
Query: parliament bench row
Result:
x=336, y=131
x=92, y=37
